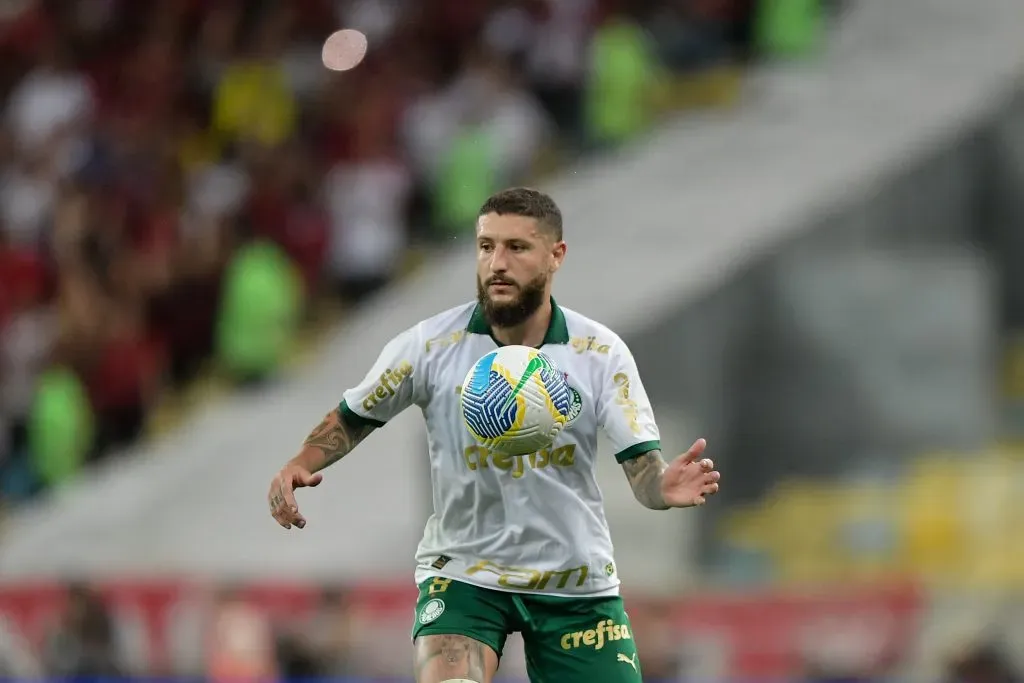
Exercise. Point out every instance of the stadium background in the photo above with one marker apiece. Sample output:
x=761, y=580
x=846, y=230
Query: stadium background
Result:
x=805, y=217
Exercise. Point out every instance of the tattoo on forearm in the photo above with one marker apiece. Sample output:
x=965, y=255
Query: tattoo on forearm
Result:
x=335, y=438
x=644, y=473
x=450, y=657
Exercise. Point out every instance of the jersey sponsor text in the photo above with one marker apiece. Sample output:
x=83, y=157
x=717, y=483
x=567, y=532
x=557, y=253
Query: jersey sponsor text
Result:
x=478, y=457
x=604, y=632
x=527, y=579
x=592, y=344
x=629, y=406
x=389, y=382
x=445, y=341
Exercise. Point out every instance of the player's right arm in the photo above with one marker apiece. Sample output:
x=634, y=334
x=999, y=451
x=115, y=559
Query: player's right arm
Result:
x=332, y=440
x=389, y=388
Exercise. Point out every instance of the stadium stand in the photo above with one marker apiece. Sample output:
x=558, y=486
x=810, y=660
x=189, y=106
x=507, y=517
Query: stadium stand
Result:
x=821, y=307
x=154, y=150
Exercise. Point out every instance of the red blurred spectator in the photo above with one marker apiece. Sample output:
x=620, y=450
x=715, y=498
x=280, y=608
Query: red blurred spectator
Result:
x=28, y=332
x=240, y=645
x=23, y=26
x=282, y=208
x=122, y=375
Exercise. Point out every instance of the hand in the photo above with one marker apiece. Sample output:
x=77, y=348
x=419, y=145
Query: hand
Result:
x=689, y=478
x=282, y=494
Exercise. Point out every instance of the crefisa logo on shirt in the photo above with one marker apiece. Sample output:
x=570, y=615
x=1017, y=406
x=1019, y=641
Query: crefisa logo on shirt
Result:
x=575, y=402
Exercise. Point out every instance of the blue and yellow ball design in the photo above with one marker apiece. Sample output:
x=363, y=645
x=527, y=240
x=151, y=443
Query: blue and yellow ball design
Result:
x=515, y=400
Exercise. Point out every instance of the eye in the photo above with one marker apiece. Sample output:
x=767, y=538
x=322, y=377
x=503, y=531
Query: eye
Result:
x=486, y=247
x=517, y=247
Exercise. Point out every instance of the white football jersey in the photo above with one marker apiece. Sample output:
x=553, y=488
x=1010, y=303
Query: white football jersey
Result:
x=531, y=523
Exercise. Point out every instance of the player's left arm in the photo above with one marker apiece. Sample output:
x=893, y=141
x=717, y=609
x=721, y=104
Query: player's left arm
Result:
x=626, y=415
x=684, y=482
x=645, y=473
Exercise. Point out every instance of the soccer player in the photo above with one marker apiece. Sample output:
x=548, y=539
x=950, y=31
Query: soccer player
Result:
x=514, y=543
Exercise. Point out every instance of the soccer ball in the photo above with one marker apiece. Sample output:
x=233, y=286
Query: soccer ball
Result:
x=515, y=401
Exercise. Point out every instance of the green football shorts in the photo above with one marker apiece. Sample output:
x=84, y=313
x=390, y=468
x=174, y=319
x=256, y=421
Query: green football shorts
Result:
x=567, y=640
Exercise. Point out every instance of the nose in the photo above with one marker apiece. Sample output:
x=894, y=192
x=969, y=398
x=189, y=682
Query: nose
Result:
x=499, y=260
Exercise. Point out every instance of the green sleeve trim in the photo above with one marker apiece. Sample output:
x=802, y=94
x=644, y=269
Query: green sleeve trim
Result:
x=637, y=450
x=354, y=419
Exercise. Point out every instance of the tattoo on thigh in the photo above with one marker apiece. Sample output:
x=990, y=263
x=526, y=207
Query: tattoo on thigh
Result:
x=457, y=656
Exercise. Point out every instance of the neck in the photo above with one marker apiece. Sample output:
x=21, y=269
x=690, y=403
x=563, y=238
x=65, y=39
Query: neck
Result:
x=530, y=332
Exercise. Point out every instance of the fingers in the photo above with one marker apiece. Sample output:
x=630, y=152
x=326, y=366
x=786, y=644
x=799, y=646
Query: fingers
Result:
x=283, y=507
x=706, y=490
x=311, y=480
x=279, y=507
x=287, y=489
x=696, y=450
x=711, y=477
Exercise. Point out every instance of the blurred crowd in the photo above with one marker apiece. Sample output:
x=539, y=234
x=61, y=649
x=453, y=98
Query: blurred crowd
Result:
x=179, y=179
x=265, y=633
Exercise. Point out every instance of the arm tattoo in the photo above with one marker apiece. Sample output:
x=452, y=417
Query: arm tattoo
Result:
x=450, y=656
x=644, y=473
x=335, y=438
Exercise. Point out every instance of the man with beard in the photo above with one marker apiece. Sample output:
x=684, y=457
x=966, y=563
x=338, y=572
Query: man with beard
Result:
x=514, y=543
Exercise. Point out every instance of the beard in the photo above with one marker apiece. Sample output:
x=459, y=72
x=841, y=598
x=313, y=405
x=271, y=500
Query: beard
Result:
x=517, y=311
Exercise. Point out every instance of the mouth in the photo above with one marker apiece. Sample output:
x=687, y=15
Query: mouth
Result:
x=501, y=286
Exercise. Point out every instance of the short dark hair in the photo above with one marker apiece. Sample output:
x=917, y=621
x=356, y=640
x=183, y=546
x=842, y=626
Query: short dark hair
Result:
x=525, y=201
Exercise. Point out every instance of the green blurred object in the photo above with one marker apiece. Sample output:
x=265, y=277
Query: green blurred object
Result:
x=621, y=88
x=789, y=28
x=260, y=311
x=61, y=426
x=468, y=177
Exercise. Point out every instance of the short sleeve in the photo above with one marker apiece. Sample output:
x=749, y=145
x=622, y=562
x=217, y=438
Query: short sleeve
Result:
x=390, y=385
x=624, y=411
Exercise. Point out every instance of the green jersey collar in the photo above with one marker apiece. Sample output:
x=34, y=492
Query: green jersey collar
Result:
x=558, y=330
